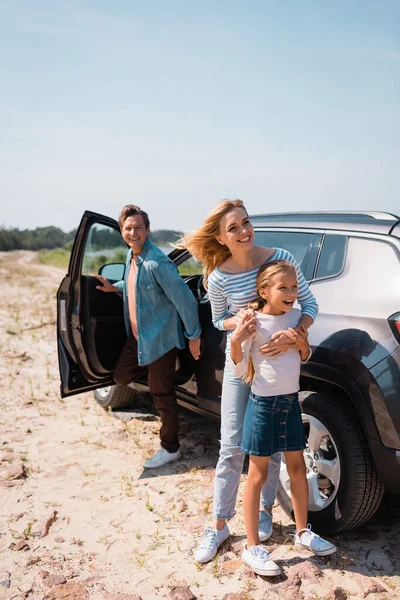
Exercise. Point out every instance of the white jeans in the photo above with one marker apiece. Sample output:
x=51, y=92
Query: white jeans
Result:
x=235, y=395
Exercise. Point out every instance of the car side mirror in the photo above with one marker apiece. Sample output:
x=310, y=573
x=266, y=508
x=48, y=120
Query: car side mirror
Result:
x=112, y=271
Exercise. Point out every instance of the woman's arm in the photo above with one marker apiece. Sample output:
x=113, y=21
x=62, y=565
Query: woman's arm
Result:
x=221, y=317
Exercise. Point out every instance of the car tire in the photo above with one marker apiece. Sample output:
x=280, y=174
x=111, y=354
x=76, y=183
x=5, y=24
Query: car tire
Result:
x=115, y=396
x=344, y=489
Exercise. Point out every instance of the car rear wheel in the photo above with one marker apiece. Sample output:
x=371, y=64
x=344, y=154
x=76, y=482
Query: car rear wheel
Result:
x=344, y=489
x=114, y=396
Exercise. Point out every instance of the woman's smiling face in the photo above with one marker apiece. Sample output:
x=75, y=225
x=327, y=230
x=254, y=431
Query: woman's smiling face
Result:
x=236, y=231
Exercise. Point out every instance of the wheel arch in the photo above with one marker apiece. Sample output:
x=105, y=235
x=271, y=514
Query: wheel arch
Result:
x=319, y=378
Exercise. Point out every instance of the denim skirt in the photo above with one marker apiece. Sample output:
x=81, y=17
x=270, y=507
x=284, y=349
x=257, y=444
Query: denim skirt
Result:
x=272, y=424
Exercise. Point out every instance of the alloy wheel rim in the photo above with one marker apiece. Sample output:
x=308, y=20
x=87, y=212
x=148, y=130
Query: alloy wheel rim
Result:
x=103, y=392
x=322, y=464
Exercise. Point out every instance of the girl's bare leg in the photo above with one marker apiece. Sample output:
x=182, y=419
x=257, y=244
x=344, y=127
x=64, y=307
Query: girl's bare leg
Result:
x=298, y=487
x=257, y=476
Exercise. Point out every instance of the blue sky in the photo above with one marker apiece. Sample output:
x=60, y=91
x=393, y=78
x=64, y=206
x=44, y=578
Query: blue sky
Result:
x=176, y=104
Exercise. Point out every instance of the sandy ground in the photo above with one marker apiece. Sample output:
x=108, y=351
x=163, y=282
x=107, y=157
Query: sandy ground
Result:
x=80, y=519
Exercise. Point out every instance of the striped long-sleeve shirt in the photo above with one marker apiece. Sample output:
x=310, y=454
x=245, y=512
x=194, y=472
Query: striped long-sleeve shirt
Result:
x=229, y=292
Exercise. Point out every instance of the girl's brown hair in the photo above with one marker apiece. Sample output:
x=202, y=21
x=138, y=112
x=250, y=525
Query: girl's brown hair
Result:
x=264, y=279
x=202, y=243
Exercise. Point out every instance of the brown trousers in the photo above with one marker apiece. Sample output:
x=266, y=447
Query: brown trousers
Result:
x=161, y=375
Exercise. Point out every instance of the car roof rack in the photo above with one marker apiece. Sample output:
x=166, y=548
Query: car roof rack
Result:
x=365, y=221
x=333, y=216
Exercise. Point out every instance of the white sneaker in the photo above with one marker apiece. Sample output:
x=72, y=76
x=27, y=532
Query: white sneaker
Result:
x=305, y=538
x=161, y=458
x=210, y=543
x=258, y=559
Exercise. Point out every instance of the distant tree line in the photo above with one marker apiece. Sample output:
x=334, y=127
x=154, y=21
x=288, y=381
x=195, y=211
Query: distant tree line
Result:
x=48, y=238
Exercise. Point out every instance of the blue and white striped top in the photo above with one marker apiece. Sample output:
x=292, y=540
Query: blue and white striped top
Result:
x=229, y=292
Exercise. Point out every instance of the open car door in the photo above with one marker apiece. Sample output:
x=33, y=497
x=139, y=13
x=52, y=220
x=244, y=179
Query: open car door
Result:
x=90, y=323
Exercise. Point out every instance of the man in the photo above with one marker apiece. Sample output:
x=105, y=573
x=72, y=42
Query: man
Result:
x=156, y=304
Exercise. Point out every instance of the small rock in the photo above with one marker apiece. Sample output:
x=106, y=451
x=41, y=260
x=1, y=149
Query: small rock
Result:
x=305, y=570
x=181, y=506
x=12, y=483
x=47, y=523
x=33, y=561
x=337, y=593
x=69, y=591
x=376, y=588
x=52, y=579
x=232, y=596
x=237, y=547
x=26, y=588
x=250, y=573
x=18, y=516
x=59, y=540
x=16, y=471
x=6, y=583
x=230, y=567
x=7, y=455
x=21, y=545
x=181, y=593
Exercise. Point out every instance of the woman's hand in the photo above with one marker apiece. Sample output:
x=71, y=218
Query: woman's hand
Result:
x=107, y=286
x=284, y=340
x=194, y=347
x=245, y=328
x=299, y=335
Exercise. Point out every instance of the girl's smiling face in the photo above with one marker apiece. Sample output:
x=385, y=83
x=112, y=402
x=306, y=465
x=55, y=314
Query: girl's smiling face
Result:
x=236, y=231
x=281, y=294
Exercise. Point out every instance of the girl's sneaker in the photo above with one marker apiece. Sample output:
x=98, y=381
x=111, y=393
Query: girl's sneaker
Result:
x=258, y=559
x=305, y=538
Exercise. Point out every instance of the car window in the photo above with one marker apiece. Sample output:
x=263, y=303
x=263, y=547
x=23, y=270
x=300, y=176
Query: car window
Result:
x=190, y=267
x=331, y=260
x=301, y=245
x=104, y=245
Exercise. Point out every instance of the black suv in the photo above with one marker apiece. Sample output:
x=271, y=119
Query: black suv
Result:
x=350, y=387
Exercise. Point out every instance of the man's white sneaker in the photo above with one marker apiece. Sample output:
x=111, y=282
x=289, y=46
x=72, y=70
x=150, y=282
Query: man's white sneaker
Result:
x=210, y=543
x=305, y=538
x=258, y=559
x=161, y=458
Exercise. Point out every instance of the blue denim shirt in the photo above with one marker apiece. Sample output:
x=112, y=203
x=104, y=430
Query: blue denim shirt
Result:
x=162, y=300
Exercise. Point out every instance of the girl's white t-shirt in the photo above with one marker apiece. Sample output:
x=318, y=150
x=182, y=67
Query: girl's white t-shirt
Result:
x=273, y=376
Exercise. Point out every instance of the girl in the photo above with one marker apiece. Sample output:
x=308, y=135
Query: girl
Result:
x=225, y=246
x=272, y=421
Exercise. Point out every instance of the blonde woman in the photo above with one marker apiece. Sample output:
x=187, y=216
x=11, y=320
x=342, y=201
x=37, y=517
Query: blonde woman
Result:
x=225, y=246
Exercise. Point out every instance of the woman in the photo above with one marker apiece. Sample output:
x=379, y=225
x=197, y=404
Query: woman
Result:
x=225, y=246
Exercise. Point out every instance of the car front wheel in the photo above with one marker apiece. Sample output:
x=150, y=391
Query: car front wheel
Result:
x=114, y=396
x=343, y=486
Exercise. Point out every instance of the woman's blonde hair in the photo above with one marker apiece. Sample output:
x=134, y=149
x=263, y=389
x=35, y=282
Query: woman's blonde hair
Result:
x=202, y=243
x=264, y=279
